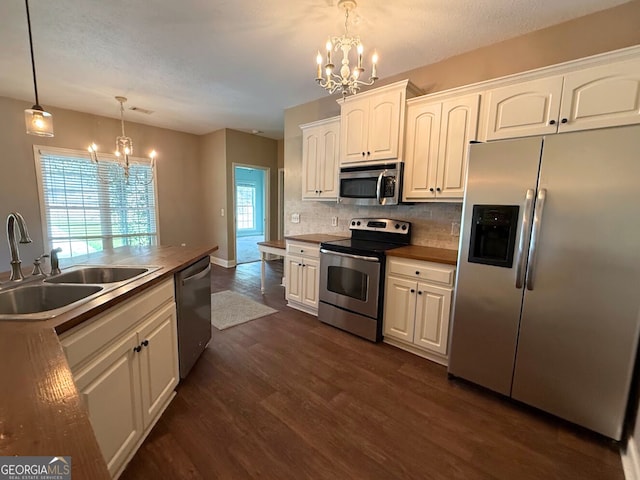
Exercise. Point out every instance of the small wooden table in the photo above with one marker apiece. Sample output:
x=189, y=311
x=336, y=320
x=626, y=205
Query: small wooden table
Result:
x=274, y=247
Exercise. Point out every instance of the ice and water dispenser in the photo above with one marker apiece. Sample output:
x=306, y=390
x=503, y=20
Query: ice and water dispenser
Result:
x=493, y=234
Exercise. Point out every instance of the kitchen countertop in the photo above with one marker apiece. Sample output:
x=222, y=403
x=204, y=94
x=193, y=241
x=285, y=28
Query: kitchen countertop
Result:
x=429, y=254
x=274, y=244
x=315, y=238
x=41, y=412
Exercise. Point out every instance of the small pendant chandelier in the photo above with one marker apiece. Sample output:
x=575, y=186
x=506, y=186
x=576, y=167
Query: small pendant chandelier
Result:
x=124, y=149
x=347, y=80
x=37, y=120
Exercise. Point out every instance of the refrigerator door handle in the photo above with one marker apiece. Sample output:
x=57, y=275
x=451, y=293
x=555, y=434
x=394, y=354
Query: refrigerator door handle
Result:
x=525, y=229
x=535, y=237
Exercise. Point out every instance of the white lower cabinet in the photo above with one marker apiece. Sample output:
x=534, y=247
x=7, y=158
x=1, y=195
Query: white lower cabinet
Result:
x=125, y=366
x=302, y=273
x=417, y=306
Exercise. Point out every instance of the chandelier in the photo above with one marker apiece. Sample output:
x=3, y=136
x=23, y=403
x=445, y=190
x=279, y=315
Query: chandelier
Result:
x=348, y=80
x=124, y=149
x=37, y=120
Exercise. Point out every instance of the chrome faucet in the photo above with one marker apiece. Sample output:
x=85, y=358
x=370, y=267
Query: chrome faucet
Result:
x=16, y=271
x=55, y=265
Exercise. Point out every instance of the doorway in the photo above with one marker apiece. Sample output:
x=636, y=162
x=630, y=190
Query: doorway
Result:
x=251, y=209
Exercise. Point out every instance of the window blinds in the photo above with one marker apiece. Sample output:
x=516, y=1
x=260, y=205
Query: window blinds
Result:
x=88, y=208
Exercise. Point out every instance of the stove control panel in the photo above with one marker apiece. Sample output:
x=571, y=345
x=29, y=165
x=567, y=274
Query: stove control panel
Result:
x=380, y=225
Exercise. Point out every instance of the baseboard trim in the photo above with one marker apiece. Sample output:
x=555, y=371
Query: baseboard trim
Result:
x=434, y=357
x=631, y=460
x=222, y=263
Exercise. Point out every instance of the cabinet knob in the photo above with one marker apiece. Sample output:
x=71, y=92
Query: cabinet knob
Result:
x=552, y=122
x=413, y=291
x=363, y=154
x=301, y=251
x=564, y=120
x=319, y=191
x=417, y=272
x=316, y=191
x=438, y=189
x=137, y=349
x=431, y=189
x=419, y=292
x=145, y=343
x=368, y=153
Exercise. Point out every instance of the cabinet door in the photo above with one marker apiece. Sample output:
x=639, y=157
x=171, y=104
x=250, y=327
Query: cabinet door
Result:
x=354, y=120
x=459, y=127
x=422, y=144
x=602, y=96
x=432, y=318
x=399, y=308
x=383, y=137
x=310, y=159
x=293, y=272
x=310, y=285
x=524, y=109
x=158, y=361
x=329, y=162
x=110, y=388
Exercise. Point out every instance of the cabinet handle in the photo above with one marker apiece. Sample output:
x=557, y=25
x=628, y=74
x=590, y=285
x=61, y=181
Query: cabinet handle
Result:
x=552, y=122
x=417, y=272
x=145, y=343
x=413, y=291
x=564, y=120
x=419, y=292
x=438, y=189
x=137, y=349
x=431, y=189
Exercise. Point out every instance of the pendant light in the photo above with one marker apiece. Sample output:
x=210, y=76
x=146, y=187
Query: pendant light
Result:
x=37, y=120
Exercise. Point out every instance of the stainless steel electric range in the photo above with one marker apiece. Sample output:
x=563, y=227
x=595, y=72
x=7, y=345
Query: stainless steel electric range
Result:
x=352, y=275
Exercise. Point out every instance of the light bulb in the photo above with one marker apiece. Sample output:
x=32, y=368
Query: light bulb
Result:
x=319, y=58
x=153, y=154
x=356, y=73
x=360, y=49
x=329, y=46
x=374, y=58
x=127, y=151
x=38, y=121
x=117, y=152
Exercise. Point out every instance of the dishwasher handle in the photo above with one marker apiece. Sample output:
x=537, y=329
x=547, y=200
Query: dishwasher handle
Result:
x=197, y=276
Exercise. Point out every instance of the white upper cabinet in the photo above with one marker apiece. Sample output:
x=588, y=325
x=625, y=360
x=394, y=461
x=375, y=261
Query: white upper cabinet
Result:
x=372, y=124
x=601, y=96
x=437, y=143
x=320, y=159
x=528, y=108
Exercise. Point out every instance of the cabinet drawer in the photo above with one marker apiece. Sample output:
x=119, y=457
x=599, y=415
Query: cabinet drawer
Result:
x=425, y=271
x=304, y=249
x=87, y=339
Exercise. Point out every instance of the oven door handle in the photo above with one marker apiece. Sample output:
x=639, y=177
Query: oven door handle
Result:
x=379, y=187
x=349, y=255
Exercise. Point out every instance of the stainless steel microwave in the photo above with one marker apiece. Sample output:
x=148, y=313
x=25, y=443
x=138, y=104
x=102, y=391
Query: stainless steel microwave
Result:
x=371, y=185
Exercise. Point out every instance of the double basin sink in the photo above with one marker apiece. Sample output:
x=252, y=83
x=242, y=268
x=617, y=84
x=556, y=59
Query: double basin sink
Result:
x=45, y=298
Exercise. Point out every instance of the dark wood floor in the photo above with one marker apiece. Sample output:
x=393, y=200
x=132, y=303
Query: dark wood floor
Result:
x=287, y=397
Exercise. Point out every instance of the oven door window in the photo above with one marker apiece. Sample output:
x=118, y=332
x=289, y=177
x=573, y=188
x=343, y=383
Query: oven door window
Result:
x=358, y=187
x=348, y=282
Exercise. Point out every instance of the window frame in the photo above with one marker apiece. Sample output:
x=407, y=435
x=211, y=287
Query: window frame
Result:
x=39, y=150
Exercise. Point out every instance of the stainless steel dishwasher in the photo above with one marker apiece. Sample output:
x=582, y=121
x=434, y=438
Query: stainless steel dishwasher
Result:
x=193, y=300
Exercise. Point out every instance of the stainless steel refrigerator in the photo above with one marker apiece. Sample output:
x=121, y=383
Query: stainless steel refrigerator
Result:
x=547, y=300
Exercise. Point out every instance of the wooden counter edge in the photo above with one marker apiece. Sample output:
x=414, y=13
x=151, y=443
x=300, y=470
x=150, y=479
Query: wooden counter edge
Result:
x=427, y=254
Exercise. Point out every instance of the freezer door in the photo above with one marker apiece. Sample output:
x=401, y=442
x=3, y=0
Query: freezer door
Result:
x=579, y=327
x=487, y=300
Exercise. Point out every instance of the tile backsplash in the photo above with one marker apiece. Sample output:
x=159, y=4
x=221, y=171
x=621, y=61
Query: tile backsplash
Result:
x=433, y=224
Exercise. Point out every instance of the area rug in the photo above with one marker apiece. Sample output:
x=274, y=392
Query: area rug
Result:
x=230, y=308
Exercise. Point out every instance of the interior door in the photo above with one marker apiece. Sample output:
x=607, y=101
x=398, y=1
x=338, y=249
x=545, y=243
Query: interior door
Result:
x=580, y=323
x=487, y=300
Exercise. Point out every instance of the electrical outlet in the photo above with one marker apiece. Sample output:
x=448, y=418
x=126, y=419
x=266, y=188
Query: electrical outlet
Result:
x=455, y=229
x=334, y=221
x=295, y=218
x=222, y=212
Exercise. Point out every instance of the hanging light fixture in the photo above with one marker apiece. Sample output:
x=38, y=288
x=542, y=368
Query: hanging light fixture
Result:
x=36, y=119
x=124, y=149
x=348, y=80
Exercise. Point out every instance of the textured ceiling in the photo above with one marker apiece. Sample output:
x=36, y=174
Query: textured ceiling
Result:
x=202, y=65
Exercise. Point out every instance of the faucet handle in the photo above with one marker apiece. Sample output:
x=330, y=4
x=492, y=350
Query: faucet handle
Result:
x=55, y=266
x=37, y=268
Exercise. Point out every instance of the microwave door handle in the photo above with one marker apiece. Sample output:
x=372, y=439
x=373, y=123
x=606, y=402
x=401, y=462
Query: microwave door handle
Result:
x=525, y=230
x=379, y=187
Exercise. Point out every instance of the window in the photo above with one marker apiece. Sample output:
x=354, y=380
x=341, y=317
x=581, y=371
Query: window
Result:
x=245, y=201
x=82, y=214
